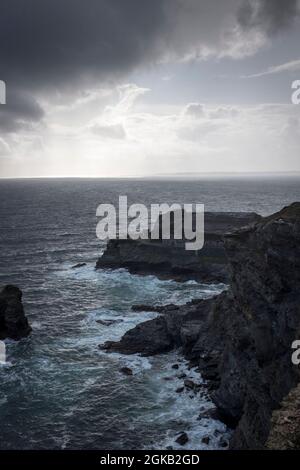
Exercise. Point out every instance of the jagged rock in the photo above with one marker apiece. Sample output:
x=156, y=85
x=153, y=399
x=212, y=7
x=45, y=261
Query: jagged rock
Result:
x=13, y=322
x=205, y=440
x=189, y=384
x=182, y=439
x=181, y=376
x=108, y=322
x=126, y=370
x=176, y=326
x=285, y=423
x=78, y=265
x=211, y=413
x=154, y=308
x=148, y=338
x=223, y=443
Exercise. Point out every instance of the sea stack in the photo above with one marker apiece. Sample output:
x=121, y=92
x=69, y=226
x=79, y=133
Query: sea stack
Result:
x=13, y=322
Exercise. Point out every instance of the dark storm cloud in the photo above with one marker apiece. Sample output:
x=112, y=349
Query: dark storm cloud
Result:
x=49, y=44
x=269, y=15
x=21, y=111
x=55, y=42
x=62, y=44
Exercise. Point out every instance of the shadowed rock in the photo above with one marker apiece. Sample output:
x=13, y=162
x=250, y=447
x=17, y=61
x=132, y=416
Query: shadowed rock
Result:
x=170, y=259
x=13, y=322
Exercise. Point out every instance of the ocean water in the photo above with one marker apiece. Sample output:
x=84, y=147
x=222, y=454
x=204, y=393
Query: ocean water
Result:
x=58, y=390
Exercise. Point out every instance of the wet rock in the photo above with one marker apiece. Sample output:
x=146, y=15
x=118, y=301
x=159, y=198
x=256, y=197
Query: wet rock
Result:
x=148, y=338
x=189, y=384
x=126, y=371
x=211, y=413
x=182, y=439
x=181, y=376
x=154, y=308
x=205, y=440
x=175, y=366
x=13, y=322
x=78, y=265
x=223, y=443
x=108, y=322
x=179, y=389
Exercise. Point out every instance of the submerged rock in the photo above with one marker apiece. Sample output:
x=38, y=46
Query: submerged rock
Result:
x=13, y=322
x=78, y=265
x=108, y=322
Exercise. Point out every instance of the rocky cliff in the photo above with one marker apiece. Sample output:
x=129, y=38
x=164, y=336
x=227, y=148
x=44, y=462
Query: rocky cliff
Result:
x=241, y=340
x=169, y=259
x=285, y=423
x=13, y=322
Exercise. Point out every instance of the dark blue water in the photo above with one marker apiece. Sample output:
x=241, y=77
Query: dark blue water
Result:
x=58, y=390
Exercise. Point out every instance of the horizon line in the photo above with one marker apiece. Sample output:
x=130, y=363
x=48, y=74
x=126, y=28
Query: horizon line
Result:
x=162, y=175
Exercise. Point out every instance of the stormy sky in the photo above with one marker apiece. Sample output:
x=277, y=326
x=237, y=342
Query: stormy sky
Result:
x=136, y=87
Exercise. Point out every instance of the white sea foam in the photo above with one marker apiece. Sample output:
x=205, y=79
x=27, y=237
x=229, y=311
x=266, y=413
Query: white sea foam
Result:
x=178, y=412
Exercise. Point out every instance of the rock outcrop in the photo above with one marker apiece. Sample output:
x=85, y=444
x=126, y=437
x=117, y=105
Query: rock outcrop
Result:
x=241, y=340
x=169, y=259
x=285, y=423
x=13, y=322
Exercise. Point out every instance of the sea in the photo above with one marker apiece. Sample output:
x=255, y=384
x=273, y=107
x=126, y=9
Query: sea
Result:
x=58, y=390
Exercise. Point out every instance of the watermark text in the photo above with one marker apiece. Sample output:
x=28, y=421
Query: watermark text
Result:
x=162, y=222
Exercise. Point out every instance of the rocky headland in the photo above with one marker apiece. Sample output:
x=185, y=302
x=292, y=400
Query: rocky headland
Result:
x=13, y=322
x=241, y=340
x=169, y=259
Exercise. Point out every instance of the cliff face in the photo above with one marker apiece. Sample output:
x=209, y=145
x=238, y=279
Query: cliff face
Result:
x=168, y=258
x=13, y=322
x=241, y=340
x=262, y=319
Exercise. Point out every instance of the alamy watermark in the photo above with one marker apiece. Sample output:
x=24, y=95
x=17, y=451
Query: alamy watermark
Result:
x=296, y=353
x=162, y=222
x=2, y=352
x=296, y=94
x=2, y=92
